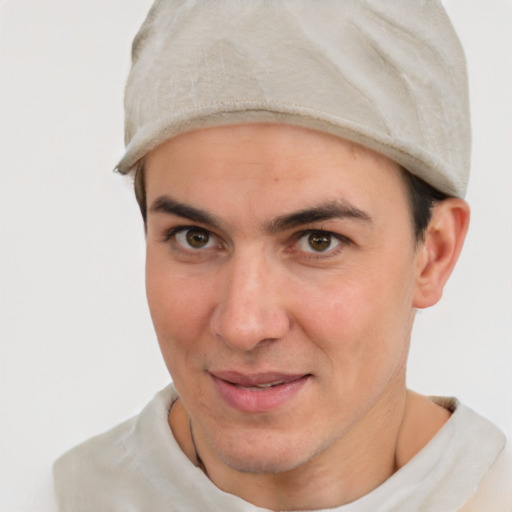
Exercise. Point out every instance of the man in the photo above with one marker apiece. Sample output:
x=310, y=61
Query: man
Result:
x=300, y=168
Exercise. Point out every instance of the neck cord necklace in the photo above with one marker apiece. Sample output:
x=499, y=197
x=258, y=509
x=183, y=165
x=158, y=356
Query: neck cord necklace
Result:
x=399, y=433
x=199, y=460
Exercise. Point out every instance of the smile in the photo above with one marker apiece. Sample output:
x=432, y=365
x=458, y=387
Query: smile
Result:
x=261, y=386
x=258, y=393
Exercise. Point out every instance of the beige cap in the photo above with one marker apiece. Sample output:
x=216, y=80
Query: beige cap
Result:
x=387, y=74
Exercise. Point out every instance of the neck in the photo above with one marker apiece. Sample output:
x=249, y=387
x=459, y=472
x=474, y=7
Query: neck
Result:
x=384, y=440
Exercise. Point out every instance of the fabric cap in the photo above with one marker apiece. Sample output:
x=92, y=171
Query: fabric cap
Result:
x=387, y=74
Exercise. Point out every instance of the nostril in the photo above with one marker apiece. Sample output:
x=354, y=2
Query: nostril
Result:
x=246, y=331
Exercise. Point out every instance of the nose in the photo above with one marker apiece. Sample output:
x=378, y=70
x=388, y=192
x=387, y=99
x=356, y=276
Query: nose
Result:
x=250, y=308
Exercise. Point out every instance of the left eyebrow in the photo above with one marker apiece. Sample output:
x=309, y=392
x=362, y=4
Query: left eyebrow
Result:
x=339, y=209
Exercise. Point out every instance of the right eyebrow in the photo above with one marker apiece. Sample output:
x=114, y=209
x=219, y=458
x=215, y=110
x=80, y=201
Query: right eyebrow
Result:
x=169, y=206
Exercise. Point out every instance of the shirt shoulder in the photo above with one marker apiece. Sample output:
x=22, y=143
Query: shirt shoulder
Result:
x=107, y=472
x=453, y=472
x=87, y=474
x=494, y=494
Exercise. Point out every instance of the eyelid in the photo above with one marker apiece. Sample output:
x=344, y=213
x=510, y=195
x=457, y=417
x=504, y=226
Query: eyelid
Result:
x=343, y=241
x=170, y=234
x=309, y=231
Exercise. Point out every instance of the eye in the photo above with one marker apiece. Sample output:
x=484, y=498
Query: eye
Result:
x=317, y=241
x=195, y=238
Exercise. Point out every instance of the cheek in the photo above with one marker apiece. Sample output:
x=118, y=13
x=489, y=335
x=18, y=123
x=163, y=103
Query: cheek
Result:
x=361, y=322
x=179, y=309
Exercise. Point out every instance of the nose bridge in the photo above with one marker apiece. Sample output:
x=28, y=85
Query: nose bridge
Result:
x=250, y=307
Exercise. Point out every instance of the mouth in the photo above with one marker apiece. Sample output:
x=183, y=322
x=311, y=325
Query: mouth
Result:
x=258, y=387
x=258, y=393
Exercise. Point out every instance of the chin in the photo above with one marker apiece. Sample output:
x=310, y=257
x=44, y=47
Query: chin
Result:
x=261, y=465
x=271, y=456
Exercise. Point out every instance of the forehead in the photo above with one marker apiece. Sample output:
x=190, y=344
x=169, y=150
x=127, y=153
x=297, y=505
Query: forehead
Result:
x=270, y=163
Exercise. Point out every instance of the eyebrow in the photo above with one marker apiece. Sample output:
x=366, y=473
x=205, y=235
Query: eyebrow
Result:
x=337, y=209
x=169, y=206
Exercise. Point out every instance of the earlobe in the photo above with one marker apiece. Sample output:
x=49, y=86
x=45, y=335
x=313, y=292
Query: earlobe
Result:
x=438, y=254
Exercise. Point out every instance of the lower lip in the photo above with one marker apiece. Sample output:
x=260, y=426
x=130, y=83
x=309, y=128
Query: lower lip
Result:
x=258, y=400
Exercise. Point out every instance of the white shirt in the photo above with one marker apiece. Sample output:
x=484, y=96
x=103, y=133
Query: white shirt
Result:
x=138, y=466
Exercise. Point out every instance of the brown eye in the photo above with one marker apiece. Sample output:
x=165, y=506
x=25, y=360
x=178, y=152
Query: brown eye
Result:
x=319, y=242
x=195, y=238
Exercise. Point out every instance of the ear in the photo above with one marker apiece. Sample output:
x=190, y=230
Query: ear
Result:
x=437, y=255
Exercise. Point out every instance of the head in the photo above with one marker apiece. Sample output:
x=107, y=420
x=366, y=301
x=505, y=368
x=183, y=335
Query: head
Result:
x=287, y=246
x=277, y=253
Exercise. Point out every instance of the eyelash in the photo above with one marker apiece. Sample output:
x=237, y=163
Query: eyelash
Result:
x=174, y=232
x=316, y=255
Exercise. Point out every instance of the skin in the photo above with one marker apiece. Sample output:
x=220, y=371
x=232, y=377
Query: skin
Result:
x=260, y=297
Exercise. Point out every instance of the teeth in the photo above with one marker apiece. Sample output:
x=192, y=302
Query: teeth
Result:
x=262, y=386
x=269, y=384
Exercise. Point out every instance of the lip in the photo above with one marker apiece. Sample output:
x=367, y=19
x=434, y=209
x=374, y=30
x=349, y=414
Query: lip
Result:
x=257, y=393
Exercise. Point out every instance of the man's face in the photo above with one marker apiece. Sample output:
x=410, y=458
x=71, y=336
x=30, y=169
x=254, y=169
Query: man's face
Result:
x=280, y=276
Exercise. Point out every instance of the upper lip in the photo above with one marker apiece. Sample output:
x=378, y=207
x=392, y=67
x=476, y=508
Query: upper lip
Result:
x=256, y=379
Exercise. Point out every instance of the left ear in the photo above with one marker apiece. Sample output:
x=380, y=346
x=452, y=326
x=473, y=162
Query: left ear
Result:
x=437, y=255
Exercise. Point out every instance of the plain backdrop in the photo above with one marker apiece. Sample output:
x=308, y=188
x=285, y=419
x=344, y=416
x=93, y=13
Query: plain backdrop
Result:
x=78, y=353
